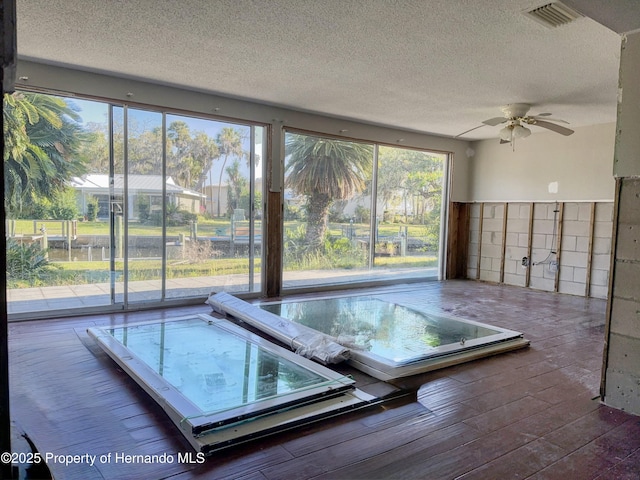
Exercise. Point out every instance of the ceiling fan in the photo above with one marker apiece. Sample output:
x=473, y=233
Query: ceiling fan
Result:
x=515, y=115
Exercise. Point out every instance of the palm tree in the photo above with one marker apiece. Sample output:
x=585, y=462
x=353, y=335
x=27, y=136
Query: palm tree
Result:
x=190, y=155
x=229, y=144
x=325, y=170
x=42, y=143
x=237, y=183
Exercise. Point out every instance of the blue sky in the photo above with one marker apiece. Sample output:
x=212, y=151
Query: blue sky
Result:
x=96, y=112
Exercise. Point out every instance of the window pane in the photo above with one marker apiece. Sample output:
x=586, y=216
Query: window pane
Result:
x=210, y=233
x=327, y=210
x=143, y=184
x=409, y=204
x=58, y=233
x=328, y=198
x=116, y=205
x=213, y=368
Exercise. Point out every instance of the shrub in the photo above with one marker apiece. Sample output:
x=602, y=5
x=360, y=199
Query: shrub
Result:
x=293, y=212
x=335, y=253
x=174, y=217
x=144, y=208
x=64, y=205
x=92, y=208
x=27, y=262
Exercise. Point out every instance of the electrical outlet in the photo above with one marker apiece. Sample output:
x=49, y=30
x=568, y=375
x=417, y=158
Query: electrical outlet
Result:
x=553, y=266
x=525, y=262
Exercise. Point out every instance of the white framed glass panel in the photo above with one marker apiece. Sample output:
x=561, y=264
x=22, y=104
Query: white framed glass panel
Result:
x=212, y=373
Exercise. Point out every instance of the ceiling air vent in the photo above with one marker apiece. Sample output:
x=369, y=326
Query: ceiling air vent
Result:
x=553, y=14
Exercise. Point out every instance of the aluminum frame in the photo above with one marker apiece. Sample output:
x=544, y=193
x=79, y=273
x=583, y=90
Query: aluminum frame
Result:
x=443, y=356
x=209, y=431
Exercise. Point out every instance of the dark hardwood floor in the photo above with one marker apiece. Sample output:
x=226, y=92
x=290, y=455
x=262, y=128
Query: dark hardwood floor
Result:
x=531, y=413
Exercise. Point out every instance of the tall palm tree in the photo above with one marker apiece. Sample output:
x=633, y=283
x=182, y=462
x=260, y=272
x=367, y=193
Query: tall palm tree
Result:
x=325, y=170
x=190, y=154
x=42, y=143
x=229, y=145
x=237, y=182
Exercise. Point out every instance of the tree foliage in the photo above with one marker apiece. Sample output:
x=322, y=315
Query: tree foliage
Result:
x=238, y=184
x=325, y=170
x=406, y=175
x=230, y=145
x=43, y=137
x=189, y=155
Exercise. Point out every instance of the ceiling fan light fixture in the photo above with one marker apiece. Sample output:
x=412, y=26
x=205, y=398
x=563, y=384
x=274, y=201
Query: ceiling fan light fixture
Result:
x=506, y=132
x=520, y=132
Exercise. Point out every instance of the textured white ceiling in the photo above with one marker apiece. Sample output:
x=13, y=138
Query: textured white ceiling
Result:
x=438, y=66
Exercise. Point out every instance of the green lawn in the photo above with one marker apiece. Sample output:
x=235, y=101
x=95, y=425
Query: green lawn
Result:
x=205, y=227
x=209, y=227
x=202, y=262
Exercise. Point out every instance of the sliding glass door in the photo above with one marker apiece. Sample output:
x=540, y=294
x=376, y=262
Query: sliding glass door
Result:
x=144, y=207
x=124, y=206
x=135, y=206
x=356, y=212
x=409, y=204
x=327, y=210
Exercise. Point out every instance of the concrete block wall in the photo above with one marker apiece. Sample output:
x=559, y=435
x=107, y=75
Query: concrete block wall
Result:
x=517, y=243
x=601, y=253
x=544, y=241
x=622, y=386
x=491, y=239
x=474, y=239
x=574, y=248
x=577, y=265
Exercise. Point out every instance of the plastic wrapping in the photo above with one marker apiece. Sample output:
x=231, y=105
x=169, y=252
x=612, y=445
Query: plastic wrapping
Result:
x=303, y=340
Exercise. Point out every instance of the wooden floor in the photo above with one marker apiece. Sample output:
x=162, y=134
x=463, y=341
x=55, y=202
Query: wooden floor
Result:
x=531, y=413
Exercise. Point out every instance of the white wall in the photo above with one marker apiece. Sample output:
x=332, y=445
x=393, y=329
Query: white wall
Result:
x=581, y=164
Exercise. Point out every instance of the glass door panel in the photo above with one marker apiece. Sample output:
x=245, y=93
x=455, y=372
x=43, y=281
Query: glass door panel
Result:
x=408, y=211
x=327, y=210
x=116, y=206
x=146, y=195
x=222, y=240
x=58, y=229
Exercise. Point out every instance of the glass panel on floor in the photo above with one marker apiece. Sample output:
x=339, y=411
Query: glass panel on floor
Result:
x=215, y=369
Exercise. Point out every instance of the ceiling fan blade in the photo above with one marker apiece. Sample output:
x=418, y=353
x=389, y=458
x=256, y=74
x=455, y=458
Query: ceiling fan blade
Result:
x=552, y=126
x=467, y=131
x=544, y=114
x=495, y=121
x=504, y=141
x=549, y=119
